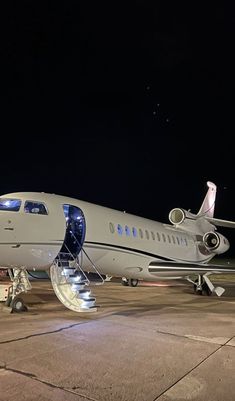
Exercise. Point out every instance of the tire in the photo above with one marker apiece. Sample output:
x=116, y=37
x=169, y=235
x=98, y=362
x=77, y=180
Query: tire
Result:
x=205, y=289
x=125, y=283
x=197, y=292
x=8, y=301
x=18, y=305
x=133, y=282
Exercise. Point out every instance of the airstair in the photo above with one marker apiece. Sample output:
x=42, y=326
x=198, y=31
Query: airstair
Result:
x=70, y=280
x=72, y=284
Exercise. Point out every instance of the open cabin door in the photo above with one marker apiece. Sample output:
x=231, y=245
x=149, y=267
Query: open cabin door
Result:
x=68, y=276
x=75, y=230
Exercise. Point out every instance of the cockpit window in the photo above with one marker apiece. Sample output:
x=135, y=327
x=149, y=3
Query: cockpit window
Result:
x=35, y=207
x=10, y=205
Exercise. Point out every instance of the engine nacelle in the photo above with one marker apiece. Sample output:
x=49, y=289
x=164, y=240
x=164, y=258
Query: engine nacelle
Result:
x=177, y=216
x=215, y=242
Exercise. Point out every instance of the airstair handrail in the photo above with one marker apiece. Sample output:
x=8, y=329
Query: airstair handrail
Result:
x=88, y=257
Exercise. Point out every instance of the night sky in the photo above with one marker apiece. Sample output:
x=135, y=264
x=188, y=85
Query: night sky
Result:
x=128, y=106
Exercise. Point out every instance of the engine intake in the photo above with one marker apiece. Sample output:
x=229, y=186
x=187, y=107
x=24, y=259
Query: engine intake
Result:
x=177, y=216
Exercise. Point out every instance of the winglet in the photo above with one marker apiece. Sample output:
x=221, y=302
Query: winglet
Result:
x=208, y=205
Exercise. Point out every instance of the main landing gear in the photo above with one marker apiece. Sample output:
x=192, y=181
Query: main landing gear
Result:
x=200, y=287
x=203, y=285
x=20, y=283
x=132, y=282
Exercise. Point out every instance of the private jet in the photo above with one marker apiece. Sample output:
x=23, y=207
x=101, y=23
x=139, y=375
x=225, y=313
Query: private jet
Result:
x=72, y=239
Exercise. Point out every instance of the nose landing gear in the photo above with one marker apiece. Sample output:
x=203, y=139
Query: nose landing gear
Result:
x=20, y=283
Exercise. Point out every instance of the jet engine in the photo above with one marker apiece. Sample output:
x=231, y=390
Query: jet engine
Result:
x=211, y=240
x=177, y=216
x=215, y=242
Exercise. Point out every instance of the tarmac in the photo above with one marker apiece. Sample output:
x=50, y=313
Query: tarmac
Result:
x=152, y=342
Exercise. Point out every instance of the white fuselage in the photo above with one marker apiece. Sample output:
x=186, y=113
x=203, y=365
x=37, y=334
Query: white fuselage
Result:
x=118, y=243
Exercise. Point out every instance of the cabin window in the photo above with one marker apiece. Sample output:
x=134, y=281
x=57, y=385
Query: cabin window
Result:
x=119, y=229
x=111, y=228
x=173, y=239
x=35, y=207
x=141, y=233
x=134, y=232
x=147, y=234
x=158, y=237
x=169, y=239
x=164, y=237
x=10, y=205
x=153, y=235
x=178, y=240
x=128, y=231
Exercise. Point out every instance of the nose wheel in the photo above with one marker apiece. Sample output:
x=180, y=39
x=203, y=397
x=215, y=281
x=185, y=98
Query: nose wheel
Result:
x=133, y=282
x=17, y=305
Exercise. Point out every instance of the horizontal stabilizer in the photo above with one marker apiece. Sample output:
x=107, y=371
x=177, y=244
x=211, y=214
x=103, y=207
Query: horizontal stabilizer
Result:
x=221, y=223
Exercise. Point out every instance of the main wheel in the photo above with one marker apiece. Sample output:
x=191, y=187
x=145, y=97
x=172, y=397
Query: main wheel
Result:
x=205, y=289
x=125, y=282
x=198, y=292
x=133, y=282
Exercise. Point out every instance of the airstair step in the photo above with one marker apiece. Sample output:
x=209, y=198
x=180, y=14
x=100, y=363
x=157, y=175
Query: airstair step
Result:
x=85, y=293
x=89, y=310
x=67, y=271
x=77, y=287
x=92, y=299
x=75, y=280
x=63, y=263
x=88, y=303
x=75, y=275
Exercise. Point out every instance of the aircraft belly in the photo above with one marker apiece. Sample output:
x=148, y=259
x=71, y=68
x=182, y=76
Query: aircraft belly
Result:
x=38, y=256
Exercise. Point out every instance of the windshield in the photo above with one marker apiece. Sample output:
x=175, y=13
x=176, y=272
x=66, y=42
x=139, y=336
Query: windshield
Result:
x=10, y=205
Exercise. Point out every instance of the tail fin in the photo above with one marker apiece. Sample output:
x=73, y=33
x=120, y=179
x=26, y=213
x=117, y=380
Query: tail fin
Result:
x=208, y=205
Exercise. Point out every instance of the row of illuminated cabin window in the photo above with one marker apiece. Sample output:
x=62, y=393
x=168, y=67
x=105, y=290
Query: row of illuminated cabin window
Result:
x=171, y=239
